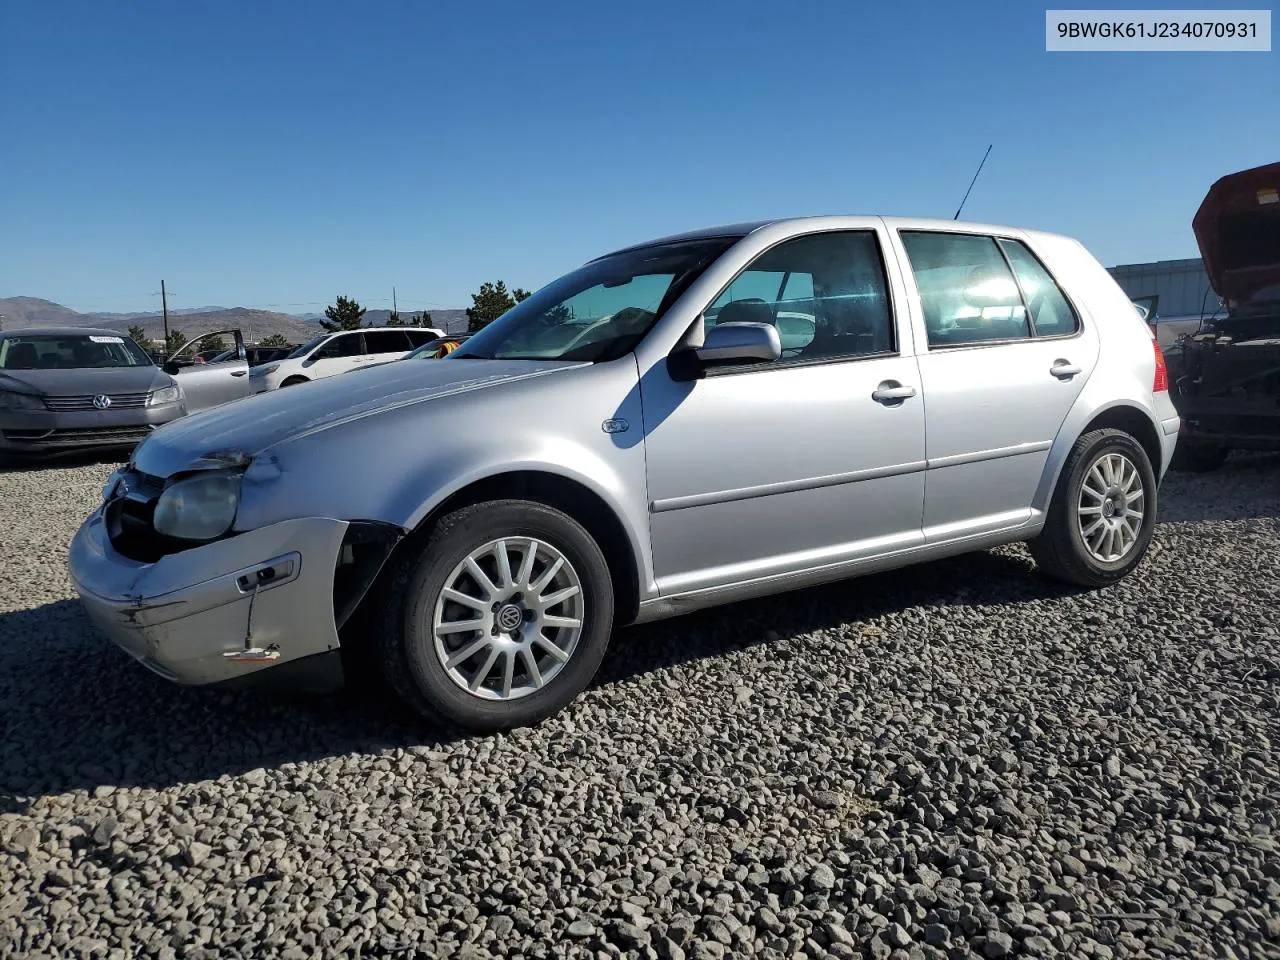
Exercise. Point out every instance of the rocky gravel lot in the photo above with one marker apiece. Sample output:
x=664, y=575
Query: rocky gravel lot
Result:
x=961, y=760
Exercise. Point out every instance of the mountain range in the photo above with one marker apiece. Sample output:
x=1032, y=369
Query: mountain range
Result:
x=21, y=313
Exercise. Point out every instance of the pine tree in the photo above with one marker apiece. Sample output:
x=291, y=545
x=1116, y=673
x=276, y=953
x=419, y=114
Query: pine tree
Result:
x=489, y=304
x=344, y=314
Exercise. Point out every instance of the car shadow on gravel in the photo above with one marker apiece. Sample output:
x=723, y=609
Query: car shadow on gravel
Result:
x=1247, y=487
x=77, y=714
x=1003, y=576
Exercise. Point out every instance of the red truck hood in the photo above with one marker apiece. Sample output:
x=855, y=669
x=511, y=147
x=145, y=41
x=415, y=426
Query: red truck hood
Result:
x=1238, y=230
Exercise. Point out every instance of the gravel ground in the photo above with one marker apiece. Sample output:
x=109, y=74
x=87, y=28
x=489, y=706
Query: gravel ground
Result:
x=963, y=760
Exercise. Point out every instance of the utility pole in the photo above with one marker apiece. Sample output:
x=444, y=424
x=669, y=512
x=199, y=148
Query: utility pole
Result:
x=164, y=306
x=394, y=308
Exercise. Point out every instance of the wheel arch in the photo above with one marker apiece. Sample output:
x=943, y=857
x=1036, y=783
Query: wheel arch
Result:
x=1120, y=415
x=566, y=494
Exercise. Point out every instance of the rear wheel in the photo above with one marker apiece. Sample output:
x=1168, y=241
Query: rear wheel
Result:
x=501, y=619
x=1195, y=457
x=1102, y=514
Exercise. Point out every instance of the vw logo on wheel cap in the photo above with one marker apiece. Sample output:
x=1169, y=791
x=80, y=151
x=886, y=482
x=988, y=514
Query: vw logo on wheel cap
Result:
x=510, y=617
x=101, y=401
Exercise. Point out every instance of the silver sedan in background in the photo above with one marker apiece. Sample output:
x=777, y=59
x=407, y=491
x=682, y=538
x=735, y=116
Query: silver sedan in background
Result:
x=633, y=442
x=75, y=389
x=70, y=389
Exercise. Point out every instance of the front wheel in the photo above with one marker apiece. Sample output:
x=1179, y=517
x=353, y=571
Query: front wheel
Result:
x=501, y=619
x=1102, y=514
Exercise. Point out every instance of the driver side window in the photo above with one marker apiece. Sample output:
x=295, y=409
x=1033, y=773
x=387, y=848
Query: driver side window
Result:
x=825, y=292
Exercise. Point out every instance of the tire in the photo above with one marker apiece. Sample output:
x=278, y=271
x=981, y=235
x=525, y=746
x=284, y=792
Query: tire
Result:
x=294, y=381
x=413, y=658
x=1193, y=457
x=1061, y=550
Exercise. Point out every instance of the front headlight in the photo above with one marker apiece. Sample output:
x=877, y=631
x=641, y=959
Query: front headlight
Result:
x=20, y=401
x=199, y=508
x=168, y=394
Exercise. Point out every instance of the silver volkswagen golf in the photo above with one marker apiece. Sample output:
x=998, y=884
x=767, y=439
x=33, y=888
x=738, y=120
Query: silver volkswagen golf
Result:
x=638, y=440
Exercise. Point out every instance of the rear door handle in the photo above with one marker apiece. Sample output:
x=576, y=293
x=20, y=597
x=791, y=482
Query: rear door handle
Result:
x=1064, y=369
x=891, y=393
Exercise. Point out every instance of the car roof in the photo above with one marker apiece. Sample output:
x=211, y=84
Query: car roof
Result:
x=368, y=329
x=740, y=230
x=62, y=332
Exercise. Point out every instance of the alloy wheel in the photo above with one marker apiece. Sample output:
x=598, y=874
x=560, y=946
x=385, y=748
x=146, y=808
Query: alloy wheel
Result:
x=1111, y=507
x=509, y=618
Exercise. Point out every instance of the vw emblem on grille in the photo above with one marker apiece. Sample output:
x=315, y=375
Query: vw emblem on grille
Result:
x=101, y=401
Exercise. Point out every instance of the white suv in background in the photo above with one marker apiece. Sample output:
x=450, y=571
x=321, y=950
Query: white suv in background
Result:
x=335, y=353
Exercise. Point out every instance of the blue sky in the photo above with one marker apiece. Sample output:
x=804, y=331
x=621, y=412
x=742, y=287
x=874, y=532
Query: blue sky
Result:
x=277, y=154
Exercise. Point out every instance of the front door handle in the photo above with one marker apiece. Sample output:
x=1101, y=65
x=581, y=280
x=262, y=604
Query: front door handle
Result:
x=238, y=373
x=1064, y=369
x=891, y=393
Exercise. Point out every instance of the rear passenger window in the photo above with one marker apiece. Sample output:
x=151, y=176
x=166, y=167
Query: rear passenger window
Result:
x=419, y=337
x=825, y=293
x=387, y=341
x=966, y=289
x=1051, y=314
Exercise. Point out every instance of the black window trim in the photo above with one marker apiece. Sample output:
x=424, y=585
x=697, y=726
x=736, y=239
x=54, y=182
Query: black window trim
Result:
x=1031, y=320
x=1004, y=341
x=729, y=370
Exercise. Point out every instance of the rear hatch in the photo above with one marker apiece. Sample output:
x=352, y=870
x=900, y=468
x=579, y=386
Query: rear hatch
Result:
x=1238, y=230
x=1232, y=367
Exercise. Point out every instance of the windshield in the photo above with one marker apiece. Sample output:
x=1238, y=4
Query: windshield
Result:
x=70, y=352
x=599, y=311
x=428, y=349
x=306, y=348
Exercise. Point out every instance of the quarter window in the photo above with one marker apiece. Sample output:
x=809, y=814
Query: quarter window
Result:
x=967, y=291
x=825, y=293
x=1051, y=314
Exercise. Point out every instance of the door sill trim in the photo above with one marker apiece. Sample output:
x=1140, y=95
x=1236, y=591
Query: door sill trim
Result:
x=661, y=607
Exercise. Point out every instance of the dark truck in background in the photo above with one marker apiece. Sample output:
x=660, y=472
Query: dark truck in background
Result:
x=1225, y=378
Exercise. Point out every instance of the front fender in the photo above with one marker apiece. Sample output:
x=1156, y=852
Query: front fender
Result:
x=399, y=466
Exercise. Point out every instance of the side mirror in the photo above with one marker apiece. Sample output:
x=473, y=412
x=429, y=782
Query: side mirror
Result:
x=740, y=343
x=171, y=367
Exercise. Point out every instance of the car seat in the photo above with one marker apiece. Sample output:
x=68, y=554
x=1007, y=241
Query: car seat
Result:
x=23, y=356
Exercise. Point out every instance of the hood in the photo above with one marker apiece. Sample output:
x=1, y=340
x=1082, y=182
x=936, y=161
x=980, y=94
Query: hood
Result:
x=91, y=380
x=238, y=431
x=1238, y=230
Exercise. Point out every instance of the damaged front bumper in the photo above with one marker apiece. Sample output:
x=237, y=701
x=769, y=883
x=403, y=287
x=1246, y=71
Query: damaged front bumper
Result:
x=222, y=612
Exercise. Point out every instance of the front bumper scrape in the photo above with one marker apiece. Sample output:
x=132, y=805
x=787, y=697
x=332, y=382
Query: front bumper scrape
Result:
x=186, y=615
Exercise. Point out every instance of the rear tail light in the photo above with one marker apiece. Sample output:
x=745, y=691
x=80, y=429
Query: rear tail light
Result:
x=1161, y=382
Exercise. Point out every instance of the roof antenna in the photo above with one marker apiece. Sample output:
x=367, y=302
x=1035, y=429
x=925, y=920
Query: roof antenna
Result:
x=973, y=181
